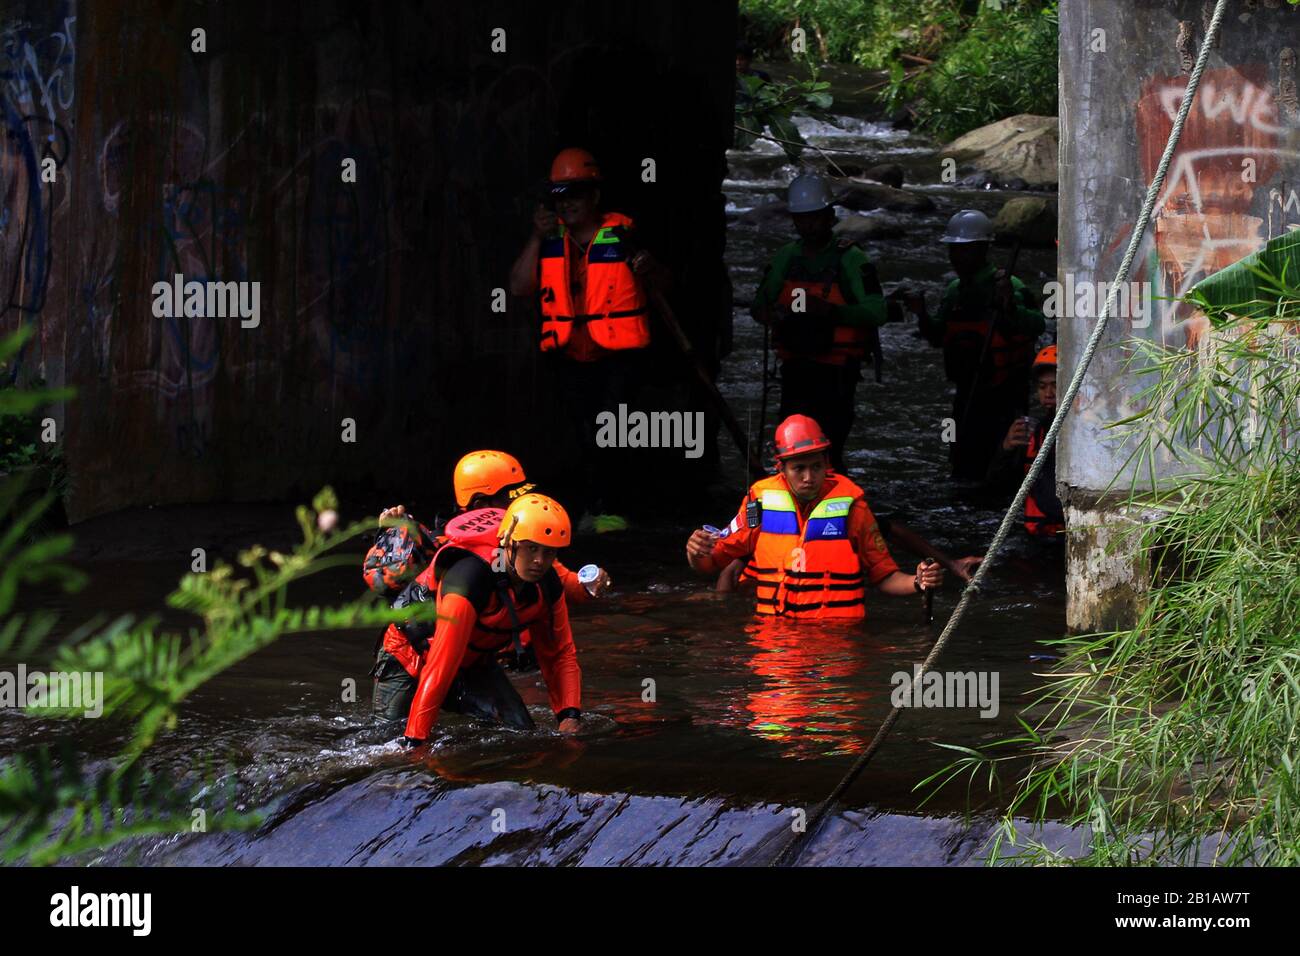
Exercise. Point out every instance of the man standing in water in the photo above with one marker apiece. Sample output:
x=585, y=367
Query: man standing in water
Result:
x=581, y=264
x=823, y=302
x=808, y=537
x=986, y=326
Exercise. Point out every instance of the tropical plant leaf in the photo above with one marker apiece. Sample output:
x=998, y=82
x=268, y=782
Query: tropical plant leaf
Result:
x=1254, y=287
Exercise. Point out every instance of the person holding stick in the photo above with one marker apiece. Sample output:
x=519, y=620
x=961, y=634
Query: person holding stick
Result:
x=987, y=325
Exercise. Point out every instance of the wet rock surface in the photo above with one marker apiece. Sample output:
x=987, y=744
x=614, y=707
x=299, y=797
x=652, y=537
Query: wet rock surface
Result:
x=1023, y=147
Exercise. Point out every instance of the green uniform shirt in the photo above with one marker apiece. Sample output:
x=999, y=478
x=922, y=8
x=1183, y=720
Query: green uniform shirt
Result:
x=976, y=296
x=863, y=297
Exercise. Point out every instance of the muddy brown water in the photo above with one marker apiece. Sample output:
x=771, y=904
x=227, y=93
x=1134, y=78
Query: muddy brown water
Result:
x=748, y=723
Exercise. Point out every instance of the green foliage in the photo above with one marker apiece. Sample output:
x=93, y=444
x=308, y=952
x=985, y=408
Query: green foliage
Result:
x=868, y=33
x=1003, y=64
x=1254, y=287
x=767, y=110
x=19, y=425
x=51, y=805
x=958, y=64
x=1178, y=737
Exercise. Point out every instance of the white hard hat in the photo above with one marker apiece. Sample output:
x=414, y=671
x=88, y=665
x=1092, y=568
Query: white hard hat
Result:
x=809, y=193
x=969, y=225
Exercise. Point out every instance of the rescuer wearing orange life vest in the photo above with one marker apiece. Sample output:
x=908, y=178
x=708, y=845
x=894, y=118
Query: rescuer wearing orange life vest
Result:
x=493, y=479
x=823, y=301
x=482, y=479
x=987, y=324
x=1044, y=517
x=809, y=539
x=494, y=578
x=582, y=265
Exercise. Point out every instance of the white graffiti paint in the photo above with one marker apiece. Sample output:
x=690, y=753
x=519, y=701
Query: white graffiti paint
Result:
x=1247, y=105
x=29, y=86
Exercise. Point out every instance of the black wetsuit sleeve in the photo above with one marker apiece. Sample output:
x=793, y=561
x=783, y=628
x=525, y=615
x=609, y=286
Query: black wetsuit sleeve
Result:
x=470, y=578
x=552, y=587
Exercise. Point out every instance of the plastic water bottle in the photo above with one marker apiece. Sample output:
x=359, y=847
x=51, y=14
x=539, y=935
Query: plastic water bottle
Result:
x=716, y=532
x=587, y=575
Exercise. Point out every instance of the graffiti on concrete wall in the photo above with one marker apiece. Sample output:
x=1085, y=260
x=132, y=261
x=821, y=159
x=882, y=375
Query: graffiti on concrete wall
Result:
x=1222, y=199
x=36, y=94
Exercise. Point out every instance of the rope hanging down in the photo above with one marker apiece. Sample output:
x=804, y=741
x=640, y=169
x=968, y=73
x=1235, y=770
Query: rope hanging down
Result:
x=790, y=851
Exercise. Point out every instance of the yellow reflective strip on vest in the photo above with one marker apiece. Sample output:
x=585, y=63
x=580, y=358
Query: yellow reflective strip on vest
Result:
x=830, y=507
x=775, y=499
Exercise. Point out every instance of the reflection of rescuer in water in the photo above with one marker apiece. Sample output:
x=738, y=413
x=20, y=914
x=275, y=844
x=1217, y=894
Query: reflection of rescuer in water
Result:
x=492, y=580
x=405, y=547
x=1044, y=517
x=809, y=539
x=823, y=302
x=812, y=700
x=581, y=263
x=986, y=325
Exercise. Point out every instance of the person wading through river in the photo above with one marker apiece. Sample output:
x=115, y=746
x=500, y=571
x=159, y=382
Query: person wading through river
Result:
x=986, y=325
x=1044, y=517
x=494, y=578
x=823, y=302
x=808, y=537
x=595, y=313
x=482, y=479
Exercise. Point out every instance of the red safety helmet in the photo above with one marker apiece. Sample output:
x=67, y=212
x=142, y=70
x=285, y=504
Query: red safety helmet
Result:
x=1046, y=357
x=799, y=435
x=574, y=165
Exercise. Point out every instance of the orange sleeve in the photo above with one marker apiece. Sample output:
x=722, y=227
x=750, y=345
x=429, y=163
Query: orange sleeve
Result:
x=575, y=592
x=864, y=532
x=558, y=657
x=456, y=618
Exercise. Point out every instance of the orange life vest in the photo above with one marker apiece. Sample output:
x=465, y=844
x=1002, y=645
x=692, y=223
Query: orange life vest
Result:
x=1009, y=356
x=1037, y=521
x=472, y=536
x=614, y=307
x=849, y=342
x=806, y=567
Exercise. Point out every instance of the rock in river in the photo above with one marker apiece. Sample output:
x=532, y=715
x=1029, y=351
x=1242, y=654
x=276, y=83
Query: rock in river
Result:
x=1031, y=219
x=1023, y=146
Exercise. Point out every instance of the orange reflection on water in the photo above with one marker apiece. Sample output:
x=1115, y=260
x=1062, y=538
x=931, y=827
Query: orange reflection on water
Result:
x=814, y=697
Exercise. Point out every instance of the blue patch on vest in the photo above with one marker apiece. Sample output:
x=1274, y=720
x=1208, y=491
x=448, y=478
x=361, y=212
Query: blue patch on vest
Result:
x=553, y=247
x=606, y=252
x=780, y=522
x=822, y=529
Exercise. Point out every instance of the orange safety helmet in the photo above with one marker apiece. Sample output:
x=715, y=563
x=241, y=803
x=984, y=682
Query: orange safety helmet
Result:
x=799, y=435
x=487, y=473
x=1046, y=357
x=538, y=519
x=574, y=165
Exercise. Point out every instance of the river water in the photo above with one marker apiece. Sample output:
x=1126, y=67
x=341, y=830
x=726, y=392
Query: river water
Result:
x=747, y=724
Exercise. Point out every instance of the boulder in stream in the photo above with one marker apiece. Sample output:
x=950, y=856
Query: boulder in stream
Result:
x=868, y=228
x=1030, y=219
x=860, y=194
x=891, y=174
x=1020, y=147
